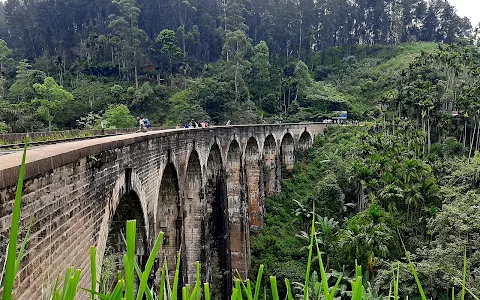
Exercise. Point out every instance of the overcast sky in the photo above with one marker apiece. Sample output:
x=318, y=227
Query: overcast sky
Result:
x=468, y=8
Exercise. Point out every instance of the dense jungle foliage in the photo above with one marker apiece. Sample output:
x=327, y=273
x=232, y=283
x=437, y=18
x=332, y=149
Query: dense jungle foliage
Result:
x=373, y=187
x=73, y=64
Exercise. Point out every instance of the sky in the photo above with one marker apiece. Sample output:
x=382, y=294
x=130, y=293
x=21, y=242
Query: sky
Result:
x=468, y=8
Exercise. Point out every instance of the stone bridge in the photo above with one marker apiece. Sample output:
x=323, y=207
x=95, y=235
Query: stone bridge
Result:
x=204, y=188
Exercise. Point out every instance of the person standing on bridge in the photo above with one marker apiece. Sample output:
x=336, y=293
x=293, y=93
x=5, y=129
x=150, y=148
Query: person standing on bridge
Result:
x=141, y=124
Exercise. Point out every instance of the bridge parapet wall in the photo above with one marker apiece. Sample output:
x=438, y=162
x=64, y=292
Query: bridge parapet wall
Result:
x=72, y=190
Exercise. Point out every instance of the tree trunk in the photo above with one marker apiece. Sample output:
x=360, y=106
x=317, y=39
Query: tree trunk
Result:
x=136, y=73
x=361, y=197
x=478, y=135
x=472, y=138
x=236, y=81
x=300, y=41
x=429, y=133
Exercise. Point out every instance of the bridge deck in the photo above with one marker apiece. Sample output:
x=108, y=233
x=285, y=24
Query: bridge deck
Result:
x=44, y=158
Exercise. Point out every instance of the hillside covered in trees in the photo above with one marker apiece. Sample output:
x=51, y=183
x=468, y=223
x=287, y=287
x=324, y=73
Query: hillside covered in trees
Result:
x=72, y=64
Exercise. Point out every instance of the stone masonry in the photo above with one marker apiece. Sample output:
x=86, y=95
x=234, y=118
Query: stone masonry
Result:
x=204, y=188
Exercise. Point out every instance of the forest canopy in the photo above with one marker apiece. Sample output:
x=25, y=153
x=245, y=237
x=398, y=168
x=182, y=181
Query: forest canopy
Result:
x=271, y=60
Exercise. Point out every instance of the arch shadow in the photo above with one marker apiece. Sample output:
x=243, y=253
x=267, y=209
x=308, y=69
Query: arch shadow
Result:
x=270, y=164
x=287, y=151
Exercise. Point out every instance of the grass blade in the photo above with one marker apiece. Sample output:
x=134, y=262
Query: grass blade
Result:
x=129, y=259
x=199, y=280
x=184, y=293
x=148, y=292
x=258, y=282
x=175, y=279
x=335, y=288
x=117, y=292
x=395, y=282
x=464, y=273
x=289, y=289
x=12, y=245
x=102, y=296
x=66, y=282
x=162, y=280
x=72, y=286
x=239, y=289
x=206, y=289
x=22, y=248
x=273, y=284
x=471, y=293
x=149, y=266
x=414, y=272
x=322, y=273
x=357, y=292
x=93, y=268
x=247, y=288
x=309, y=262
x=234, y=294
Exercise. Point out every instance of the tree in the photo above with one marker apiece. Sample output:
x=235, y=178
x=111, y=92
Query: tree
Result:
x=169, y=43
x=118, y=116
x=261, y=71
x=5, y=52
x=233, y=19
x=131, y=37
x=184, y=109
x=90, y=122
x=302, y=79
x=22, y=88
x=185, y=11
x=4, y=127
x=51, y=100
x=367, y=235
x=235, y=50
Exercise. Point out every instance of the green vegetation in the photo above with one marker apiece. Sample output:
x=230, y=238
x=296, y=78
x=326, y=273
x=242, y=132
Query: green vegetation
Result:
x=245, y=61
x=372, y=186
x=133, y=283
x=406, y=179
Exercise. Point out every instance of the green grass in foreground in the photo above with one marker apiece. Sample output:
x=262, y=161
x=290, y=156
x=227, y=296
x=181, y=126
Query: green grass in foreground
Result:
x=127, y=288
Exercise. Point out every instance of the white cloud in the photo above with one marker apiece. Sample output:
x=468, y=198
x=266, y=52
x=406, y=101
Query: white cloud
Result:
x=468, y=8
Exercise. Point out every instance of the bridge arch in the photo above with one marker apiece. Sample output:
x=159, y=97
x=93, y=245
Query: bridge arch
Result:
x=193, y=215
x=127, y=202
x=252, y=170
x=305, y=140
x=84, y=181
x=236, y=209
x=168, y=214
x=216, y=261
x=287, y=151
x=269, y=164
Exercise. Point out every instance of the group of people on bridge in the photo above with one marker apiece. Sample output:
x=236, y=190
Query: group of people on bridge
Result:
x=193, y=124
x=144, y=124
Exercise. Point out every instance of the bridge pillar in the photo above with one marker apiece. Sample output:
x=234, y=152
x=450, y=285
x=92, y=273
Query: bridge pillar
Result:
x=236, y=207
x=168, y=217
x=216, y=259
x=270, y=165
x=193, y=217
x=253, y=172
